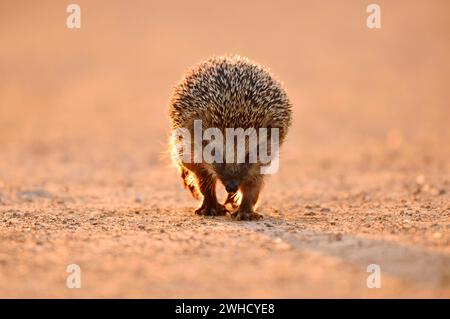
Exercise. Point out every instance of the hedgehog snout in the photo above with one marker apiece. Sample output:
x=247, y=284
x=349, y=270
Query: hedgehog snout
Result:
x=231, y=187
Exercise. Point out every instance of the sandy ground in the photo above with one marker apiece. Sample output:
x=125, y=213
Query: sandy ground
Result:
x=85, y=179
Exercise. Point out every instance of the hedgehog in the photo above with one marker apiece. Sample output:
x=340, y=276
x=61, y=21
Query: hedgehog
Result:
x=222, y=93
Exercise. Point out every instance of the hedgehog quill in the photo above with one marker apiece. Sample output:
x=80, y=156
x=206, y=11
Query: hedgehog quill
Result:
x=241, y=100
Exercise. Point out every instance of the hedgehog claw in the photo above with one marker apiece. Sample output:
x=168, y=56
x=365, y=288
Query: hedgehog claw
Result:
x=231, y=206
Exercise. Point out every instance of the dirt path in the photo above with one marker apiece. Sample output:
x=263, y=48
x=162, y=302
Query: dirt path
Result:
x=136, y=235
x=364, y=176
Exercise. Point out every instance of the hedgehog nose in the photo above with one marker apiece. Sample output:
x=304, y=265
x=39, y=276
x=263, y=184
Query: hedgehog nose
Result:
x=231, y=187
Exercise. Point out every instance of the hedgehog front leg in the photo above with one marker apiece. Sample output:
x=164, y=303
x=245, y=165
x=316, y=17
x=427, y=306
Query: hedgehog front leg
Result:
x=207, y=187
x=250, y=192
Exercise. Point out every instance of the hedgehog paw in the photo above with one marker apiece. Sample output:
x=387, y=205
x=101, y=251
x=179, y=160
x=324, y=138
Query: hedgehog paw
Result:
x=216, y=210
x=246, y=215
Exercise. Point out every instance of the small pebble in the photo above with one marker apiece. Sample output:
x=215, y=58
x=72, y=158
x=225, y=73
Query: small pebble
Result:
x=420, y=179
x=437, y=235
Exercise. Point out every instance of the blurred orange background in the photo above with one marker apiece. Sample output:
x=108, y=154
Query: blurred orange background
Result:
x=111, y=79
